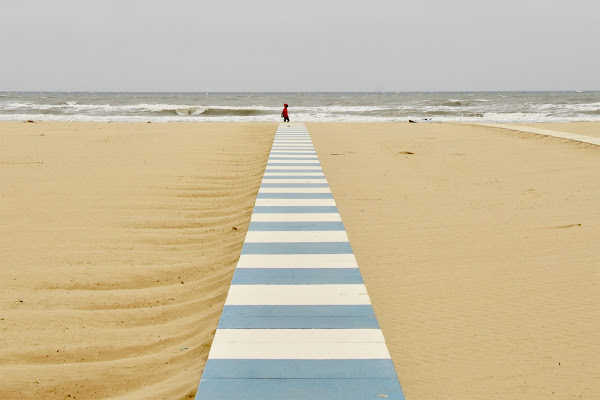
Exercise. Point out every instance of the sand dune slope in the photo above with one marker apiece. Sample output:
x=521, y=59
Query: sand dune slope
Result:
x=118, y=243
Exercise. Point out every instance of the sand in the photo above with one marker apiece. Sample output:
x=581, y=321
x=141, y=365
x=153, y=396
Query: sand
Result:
x=118, y=243
x=580, y=128
x=478, y=247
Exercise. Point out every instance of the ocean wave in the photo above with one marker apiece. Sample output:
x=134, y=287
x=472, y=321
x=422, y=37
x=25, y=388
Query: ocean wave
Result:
x=446, y=103
x=187, y=111
x=591, y=112
x=237, y=112
x=351, y=107
x=72, y=107
x=317, y=117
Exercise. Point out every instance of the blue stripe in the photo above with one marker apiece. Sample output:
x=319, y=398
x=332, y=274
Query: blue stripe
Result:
x=298, y=317
x=296, y=226
x=239, y=311
x=267, y=177
x=294, y=196
x=297, y=248
x=277, y=164
x=320, y=171
x=294, y=209
x=293, y=185
x=290, y=153
x=306, y=369
x=296, y=276
x=274, y=157
x=299, y=389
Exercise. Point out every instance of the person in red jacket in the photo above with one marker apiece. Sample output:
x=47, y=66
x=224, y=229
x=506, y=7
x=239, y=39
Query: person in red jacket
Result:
x=284, y=114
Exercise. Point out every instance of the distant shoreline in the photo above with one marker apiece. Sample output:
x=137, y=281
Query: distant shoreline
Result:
x=474, y=107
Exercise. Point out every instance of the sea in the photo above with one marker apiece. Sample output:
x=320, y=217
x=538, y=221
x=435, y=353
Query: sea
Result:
x=303, y=107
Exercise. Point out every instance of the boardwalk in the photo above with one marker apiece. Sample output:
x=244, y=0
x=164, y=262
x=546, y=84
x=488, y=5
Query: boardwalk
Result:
x=297, y=322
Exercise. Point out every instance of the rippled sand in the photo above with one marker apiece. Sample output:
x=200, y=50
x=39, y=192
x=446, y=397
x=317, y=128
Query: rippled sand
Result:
x=118, y=243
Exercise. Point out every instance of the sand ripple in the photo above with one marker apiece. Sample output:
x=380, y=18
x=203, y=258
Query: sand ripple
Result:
x=119, y=261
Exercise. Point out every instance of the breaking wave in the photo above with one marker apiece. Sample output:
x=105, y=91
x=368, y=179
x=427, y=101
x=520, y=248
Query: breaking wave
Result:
x=351, y=107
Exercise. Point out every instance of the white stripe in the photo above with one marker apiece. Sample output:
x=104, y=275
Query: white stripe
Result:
x=299, y=351
x=297, y=261
x=294, y=174
x=295, y=236
x=309, y=156
x=294, y=181
x=280, y=167
x=293, y=161
x=225, y=336
x=297, y=295
x=290, y=148
x=295, y=202
x=279, y=153
x=295, y=217
x=295, y=151
x=294, y=190
x=292, y=145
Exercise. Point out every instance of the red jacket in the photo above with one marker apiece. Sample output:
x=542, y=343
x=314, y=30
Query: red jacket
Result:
x=284, y=113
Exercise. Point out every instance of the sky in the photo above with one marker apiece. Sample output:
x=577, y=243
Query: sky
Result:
x=304, y=45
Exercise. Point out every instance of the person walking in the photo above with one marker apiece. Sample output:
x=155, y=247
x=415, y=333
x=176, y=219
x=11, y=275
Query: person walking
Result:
x=284, y=113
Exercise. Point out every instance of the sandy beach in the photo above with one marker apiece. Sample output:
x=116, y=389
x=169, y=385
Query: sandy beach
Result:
x=479, y=250
x=581, y=128
x=118, y=242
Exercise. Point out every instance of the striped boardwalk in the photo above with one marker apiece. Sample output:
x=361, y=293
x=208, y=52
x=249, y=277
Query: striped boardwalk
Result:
x=297, y=321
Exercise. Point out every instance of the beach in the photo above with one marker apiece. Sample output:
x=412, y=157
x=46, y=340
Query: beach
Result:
x=118, y=244
x=478, y=247
x=479, y=250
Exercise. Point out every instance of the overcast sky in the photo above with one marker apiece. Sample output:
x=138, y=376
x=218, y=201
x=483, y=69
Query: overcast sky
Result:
x=302, y=45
